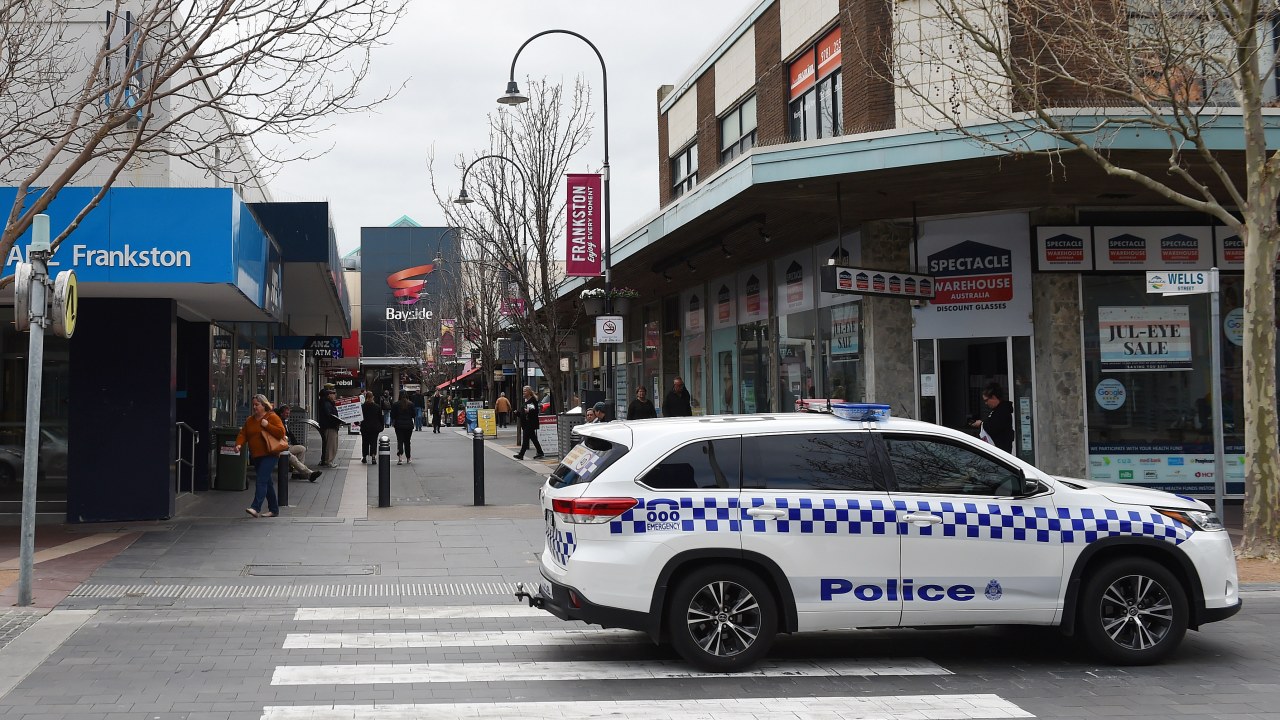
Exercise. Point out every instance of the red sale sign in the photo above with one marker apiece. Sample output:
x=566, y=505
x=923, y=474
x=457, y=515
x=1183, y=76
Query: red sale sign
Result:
x=583, y=255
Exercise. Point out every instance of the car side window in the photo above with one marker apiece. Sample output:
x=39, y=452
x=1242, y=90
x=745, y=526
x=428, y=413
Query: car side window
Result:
x=708, y=464
x=826, y=461
x=929, y=465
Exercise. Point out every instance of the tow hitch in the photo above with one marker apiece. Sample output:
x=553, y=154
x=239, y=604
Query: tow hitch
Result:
x=532, y=593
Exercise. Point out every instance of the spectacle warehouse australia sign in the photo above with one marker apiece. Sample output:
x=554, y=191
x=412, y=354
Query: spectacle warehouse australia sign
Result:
x=583, y=255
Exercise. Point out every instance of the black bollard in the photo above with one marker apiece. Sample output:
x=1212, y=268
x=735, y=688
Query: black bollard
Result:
x=477, y=461
x=384, y=471
x=282, y=479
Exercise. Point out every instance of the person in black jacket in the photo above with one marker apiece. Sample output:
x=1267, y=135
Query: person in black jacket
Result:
x=403, y=414
x=641, y=408
x=997, y=419
x=370, y=426
x=437, y=406
x=677, y=403
x=528, y=414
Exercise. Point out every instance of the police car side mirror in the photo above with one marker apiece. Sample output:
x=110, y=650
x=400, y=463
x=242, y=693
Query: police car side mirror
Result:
x=1030, y=486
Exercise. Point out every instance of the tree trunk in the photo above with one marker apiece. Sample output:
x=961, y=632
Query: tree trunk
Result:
x=1261, y=454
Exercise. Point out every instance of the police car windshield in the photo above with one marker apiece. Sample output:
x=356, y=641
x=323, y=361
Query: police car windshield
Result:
x=586, y=461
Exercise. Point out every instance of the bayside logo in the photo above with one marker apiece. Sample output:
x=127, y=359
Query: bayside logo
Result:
x=418, y=314
x=407, y=286
x=972, y=272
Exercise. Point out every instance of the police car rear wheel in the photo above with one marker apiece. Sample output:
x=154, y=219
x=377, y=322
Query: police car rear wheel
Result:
x=1134, y=612
x=722, y=618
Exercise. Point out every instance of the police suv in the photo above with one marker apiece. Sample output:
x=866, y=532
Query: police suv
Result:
x=716, y=533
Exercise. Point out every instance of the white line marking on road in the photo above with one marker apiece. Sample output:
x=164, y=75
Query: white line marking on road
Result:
x=497, y=638
x=915, y=707
x=442, y=612
x=399, y=673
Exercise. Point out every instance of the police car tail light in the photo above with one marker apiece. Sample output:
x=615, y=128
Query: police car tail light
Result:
x=591, y=510
x=1194, y=519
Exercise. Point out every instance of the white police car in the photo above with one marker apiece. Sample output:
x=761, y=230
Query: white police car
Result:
x=716, y=533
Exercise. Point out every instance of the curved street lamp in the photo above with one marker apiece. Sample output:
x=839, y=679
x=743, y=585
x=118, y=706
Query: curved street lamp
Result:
x=513, y=96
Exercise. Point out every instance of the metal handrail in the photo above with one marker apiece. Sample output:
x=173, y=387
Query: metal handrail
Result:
x=189, y=461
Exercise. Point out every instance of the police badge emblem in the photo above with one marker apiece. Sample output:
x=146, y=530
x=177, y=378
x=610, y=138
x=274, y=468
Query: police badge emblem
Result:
x=994, y=591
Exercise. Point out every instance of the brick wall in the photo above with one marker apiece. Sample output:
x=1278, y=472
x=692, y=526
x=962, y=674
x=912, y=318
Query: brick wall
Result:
x=708, y=126
x=664, y=164
x=866, y=31
x=771, y=80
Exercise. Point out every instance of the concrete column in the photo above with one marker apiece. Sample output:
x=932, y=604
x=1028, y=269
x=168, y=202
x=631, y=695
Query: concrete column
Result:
x=886, y=322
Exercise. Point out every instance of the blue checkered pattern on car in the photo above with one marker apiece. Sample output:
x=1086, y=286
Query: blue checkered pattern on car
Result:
x=831, y=516
x=561, y=543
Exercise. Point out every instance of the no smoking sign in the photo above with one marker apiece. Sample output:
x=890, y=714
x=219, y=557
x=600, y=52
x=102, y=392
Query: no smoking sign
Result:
x=608, y=329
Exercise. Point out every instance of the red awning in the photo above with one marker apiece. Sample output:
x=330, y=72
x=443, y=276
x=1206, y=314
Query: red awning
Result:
x=461, y=377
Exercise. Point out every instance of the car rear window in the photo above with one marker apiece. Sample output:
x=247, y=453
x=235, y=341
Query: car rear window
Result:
x=585, y=462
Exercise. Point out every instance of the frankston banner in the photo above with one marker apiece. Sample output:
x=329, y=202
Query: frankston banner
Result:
x=583, y=254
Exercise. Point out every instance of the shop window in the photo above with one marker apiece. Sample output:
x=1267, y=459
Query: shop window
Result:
x=816, y=90
x=684, y=171
x=738, y=130
x=1175, y=55
x=827, y=461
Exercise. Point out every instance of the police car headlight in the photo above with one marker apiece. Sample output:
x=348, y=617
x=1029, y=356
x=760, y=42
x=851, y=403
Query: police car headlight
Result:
x=1195, y=519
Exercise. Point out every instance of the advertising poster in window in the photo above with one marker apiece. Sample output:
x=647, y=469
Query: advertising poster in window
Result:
x=848, y=253
x=753, y=294
x=1064, y=249
x=1152, y=248
x=845, y=320
x=692, y=308
x=1144, y=338
x=982, y=278
x=794, y=275
x=724, y=311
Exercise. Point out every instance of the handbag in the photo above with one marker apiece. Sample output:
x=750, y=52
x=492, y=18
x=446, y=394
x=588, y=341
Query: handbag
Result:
x=275, y=445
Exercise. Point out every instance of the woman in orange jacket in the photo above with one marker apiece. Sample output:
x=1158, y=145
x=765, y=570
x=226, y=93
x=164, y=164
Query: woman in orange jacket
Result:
x=262, y=426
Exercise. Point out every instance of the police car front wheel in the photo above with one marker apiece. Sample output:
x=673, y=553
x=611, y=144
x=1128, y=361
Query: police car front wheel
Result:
x=722, y=618
x=1134, y=611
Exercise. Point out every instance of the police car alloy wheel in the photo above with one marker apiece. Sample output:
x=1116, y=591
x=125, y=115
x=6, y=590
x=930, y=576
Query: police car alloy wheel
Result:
x=722, y=618
x=1134, y=612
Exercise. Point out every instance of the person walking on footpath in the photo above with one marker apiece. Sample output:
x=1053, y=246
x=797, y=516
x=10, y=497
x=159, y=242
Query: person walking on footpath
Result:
x=641, y=408
x=502, y=406
x=264, y=433
x=329, y=423
x=997, y=419
x=528, y=414
x=419, y=407
x=437, y=407
x=386, y=407
x=297, y=451
x=370, y=426
x=677, y=403
x=402, y=415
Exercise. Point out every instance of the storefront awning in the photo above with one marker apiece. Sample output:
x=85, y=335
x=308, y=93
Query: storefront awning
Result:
x=409, y=361
x=460, y=378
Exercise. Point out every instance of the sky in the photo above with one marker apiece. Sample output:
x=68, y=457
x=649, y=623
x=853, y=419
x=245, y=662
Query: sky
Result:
x=454, y=59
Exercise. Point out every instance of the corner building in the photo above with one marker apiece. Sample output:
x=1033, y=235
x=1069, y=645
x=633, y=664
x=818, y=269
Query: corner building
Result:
x=781, y=153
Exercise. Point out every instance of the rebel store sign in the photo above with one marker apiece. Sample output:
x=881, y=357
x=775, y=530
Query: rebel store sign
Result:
x=972, y=273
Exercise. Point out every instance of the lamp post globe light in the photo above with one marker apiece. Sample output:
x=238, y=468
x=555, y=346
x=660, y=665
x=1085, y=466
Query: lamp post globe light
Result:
x=513, y=96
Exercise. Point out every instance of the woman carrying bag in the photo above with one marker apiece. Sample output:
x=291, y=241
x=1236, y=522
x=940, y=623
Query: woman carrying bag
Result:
x=402, y=420
x=265, y=436
x=370, y=426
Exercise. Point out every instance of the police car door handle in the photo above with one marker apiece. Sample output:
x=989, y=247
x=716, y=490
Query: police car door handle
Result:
x=922, y=519
x=766, y=512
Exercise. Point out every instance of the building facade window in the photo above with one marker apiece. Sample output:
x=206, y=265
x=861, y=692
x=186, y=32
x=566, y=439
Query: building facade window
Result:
x=815, y=92
x=684, y=170
x=1192, y=78
x=738, y=130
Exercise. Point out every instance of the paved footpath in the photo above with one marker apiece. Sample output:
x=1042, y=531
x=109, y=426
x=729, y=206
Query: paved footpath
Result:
x=342, y=611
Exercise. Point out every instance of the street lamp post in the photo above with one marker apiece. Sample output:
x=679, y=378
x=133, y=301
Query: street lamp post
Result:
x=513, y=96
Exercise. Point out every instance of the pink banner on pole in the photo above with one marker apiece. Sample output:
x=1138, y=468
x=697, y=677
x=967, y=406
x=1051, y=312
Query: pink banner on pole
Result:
x=584, y=250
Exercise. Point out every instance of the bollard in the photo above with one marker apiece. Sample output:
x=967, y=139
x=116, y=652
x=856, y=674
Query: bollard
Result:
x=477, y=462
x=282, y=479
x=384, y=471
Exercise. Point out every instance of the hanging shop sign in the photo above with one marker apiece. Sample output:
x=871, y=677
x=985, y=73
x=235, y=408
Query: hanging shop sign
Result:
x=864, y=281
x=448, y=343
x=1064, y=249
x=1139, y=338
x=583, y=254
x=1142, y=248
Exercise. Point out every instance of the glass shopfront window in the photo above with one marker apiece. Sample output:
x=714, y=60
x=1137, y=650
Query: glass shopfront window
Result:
x=842, y=342
x=724, y=369
x=221, y=388
x=796, y=360
x=1149, y=387
x=754, y=392
x=51, y=482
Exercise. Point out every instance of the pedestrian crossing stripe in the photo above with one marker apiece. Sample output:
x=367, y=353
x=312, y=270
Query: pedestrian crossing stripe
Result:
x=916, y=707
x=517, y=671
x=425, y=612
x=440, y=639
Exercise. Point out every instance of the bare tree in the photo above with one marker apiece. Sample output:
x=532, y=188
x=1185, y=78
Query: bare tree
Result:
x=95, y=92
x=516, y=221
x=1082, y=71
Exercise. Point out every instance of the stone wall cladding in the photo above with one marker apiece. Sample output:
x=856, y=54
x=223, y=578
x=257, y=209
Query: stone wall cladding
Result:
x=771, y=80
x=708, y=126
x=1061, y=447
x=886, y=328
x=664, y=164
x=866, y=32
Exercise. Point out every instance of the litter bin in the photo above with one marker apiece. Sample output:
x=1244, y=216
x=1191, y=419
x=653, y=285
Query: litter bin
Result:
x=232, y=465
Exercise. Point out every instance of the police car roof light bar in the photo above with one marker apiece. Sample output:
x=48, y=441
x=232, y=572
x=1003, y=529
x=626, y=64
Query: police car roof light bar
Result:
x=869, y=412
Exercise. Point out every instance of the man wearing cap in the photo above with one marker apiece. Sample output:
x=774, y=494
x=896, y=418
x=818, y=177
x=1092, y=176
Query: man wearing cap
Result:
x=599, y=412
x=327, y=416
